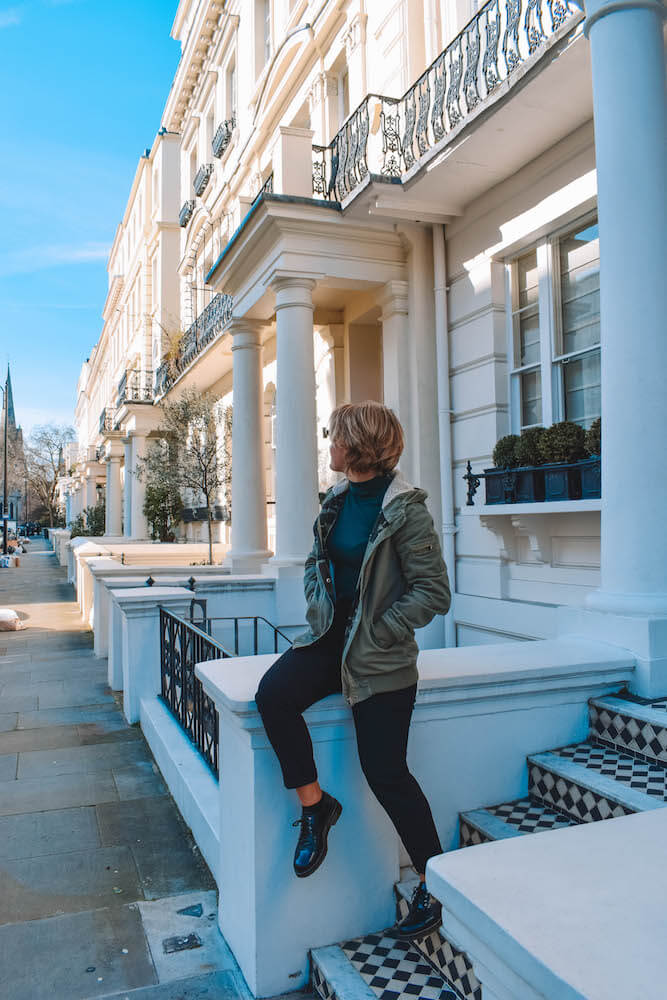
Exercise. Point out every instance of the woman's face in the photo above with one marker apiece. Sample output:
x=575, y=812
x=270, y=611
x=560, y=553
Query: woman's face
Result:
x=338, y=455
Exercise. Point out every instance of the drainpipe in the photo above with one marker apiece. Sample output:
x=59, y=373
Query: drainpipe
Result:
x=444, y=417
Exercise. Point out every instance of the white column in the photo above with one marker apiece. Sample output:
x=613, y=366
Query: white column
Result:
x=397, y=366
x=90, y=491
x=113, y=505
x=628, y=70
x=249, y=546
x=296, y=440
x=127, y=488
x=139, y=524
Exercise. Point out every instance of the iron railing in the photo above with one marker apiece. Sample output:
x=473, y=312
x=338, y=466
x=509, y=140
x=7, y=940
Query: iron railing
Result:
x=182, y=645
x=202, y=177
x=211, y=322
x=517, y=485
x=253, y=633
x=186, y=213
x=266, y=188
x=387, y=136
x=106, y=420
x=223, y=136
x=135, y=387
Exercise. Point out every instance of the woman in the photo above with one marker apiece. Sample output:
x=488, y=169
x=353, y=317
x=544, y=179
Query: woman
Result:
x=375, y=573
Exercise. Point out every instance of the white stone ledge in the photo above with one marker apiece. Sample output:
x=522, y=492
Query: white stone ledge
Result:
x=544, y=507
x=556, y=916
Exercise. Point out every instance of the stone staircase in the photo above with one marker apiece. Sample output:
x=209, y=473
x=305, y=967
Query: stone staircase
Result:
x=620, y=769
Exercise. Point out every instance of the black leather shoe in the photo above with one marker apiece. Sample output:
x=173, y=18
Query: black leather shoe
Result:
x=311, y=848
x=423, y=917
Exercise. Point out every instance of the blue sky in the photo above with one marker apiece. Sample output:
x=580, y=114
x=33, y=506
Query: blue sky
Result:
x=83, y=85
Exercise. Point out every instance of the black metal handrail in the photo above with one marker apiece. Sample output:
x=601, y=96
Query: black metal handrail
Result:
x=206, y=624
x=182, y=645
x=202, y=178
x=186, y=212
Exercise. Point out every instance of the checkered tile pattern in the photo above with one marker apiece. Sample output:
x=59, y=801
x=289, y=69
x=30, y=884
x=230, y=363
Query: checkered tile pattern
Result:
x=469, y=835
x=645, y=740
x=321, y=986
x=566, y=796
x=455, y=966
x=529, y=817
x=394, y=969
x=651, y=779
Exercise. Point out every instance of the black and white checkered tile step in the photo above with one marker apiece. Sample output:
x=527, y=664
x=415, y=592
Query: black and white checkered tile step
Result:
x=511, y=819
x=376, y=967
x=630, y=727
x=651, y=779
x=584, y=785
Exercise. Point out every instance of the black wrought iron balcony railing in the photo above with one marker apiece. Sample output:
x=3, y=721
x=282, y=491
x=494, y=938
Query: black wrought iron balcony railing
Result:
x=266, y=188
x=386, y=136
x=135, y=387
x=186, y=213
x=223, y=136
x=210, y=323
x=202, y=177
x=106, y=420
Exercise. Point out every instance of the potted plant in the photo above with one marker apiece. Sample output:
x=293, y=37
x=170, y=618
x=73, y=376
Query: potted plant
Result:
x=529, y=475
x=499, y=481
x=590, y=467
x=562, y=444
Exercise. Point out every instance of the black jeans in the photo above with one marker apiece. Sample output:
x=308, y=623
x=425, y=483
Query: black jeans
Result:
x=301, y=677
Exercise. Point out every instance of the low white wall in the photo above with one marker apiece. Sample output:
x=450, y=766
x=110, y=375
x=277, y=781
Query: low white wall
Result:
x=480, y=711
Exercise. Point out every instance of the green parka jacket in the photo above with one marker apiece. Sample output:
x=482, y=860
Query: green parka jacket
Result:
x=402, y=585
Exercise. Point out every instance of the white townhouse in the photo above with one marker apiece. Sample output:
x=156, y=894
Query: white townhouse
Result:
x=114, y=411
x=349, y=200
x=458, y=210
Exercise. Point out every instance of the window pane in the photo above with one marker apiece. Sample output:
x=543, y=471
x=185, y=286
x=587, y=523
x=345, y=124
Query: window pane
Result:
x=529, y=337
x=531, y=399
x=580, y=289
x=582, y=389
x=527, y=279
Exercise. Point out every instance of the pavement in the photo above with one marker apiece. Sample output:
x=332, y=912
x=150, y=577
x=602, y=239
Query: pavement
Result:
x=103, y=891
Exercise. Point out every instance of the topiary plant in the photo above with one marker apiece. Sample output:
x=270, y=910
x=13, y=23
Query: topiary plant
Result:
x=528, y=446
x=504, y=453
x=594, y=438
x=563, y=442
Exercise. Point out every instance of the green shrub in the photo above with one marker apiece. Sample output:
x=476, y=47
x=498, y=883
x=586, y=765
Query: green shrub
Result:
x=563, y=442
x=528, y=446
x=594, y=438
x=504, y=453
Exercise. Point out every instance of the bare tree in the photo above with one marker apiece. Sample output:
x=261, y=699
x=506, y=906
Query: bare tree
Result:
x=189, y=455
x=45, y=446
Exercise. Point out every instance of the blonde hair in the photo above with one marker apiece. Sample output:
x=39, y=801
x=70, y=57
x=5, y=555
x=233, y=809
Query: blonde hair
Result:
x=371, y=434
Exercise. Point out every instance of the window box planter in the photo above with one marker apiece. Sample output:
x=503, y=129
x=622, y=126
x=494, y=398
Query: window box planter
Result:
x=591, y=478
x=562, y=482
x=523, y=485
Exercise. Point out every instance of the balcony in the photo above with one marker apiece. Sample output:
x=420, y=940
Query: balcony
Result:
x=106, y=420
x=202, y=177
x=388, y=138
x=223, y=136
x=135, y=387
x=186, y=213
x=266, y=188
x=210, y=323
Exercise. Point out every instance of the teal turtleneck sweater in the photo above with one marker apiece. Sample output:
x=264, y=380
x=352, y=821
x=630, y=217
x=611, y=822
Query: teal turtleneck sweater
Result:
x=349, y=535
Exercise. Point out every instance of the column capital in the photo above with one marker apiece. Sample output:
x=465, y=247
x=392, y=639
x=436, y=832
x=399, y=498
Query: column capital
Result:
x=394, y=298
x=596, y=9
x=246, y=333
x=292, y=290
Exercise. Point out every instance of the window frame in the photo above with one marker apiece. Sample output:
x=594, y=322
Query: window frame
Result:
x=551, y=364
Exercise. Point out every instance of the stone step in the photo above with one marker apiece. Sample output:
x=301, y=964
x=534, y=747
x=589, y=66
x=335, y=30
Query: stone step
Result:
x=635, y=728
x=590, y=783
x=510, y=819
x=375, y=967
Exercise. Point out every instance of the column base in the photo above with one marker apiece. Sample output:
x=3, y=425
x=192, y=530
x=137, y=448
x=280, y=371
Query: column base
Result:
x=645, y=635
x=247, y=562
x=627, y=604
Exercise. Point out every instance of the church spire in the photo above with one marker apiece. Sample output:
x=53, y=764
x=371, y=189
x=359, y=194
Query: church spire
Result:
x=11, y=416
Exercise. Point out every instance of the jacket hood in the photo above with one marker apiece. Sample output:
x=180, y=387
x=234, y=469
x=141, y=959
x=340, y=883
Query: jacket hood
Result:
x=398, y=487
